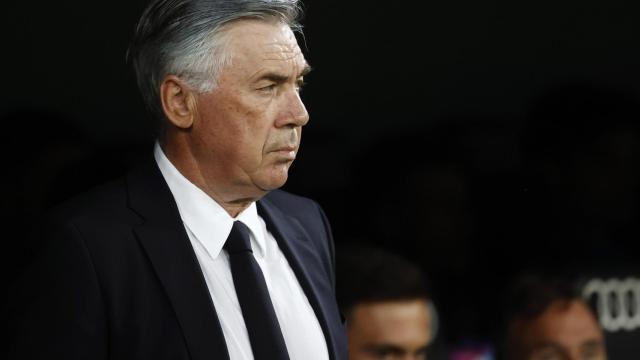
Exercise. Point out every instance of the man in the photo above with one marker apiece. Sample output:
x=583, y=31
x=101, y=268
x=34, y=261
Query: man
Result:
x=385, y=302
x=548, y=319
x=156, y=265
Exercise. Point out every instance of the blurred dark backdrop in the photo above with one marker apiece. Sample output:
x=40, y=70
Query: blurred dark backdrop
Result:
x=479, y=139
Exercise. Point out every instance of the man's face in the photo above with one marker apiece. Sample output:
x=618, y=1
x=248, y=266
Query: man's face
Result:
x=567, y=330
x=389, y=330
x=247, y=131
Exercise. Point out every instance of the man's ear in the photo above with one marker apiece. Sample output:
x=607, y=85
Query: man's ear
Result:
x=178, y=102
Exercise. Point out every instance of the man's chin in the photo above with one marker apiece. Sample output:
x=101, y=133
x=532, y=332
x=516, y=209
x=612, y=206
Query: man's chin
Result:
x=274, y=181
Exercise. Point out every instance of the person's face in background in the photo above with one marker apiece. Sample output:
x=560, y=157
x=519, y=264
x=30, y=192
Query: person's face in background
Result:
x=389, y=330
x=566, y=330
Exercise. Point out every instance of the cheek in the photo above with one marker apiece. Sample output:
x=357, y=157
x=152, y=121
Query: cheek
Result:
x=241, y=128
x=226, y=120
x=252, y=120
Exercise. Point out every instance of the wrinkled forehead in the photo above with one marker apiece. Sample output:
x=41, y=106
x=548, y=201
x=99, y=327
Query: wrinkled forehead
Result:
x=261, y=40
x=279, y=51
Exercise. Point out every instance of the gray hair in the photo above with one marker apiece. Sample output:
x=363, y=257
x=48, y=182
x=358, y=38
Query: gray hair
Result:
x=185, y=38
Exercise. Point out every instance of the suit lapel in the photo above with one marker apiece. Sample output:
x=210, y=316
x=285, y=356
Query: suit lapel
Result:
x=303, y=259
x=163, y=237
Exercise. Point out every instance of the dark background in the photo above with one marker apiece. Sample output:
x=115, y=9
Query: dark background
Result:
x=478, y=138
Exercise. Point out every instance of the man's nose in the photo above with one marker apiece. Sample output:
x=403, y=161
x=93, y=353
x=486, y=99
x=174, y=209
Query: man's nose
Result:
x=293, y=112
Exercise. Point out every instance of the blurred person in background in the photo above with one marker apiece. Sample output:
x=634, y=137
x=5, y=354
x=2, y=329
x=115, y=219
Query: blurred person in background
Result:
x=547, y=319
x=385, y=302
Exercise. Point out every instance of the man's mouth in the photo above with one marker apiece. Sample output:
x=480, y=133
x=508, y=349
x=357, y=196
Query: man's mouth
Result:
x=288, y=152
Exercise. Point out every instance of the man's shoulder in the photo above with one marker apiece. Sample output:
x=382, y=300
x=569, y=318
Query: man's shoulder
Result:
x=105, y=202
x=112, y=201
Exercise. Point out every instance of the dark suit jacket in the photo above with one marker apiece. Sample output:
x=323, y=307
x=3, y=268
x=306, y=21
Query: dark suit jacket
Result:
x=117, y=277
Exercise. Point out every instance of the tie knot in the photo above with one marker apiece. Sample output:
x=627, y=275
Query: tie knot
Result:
x=238, y=240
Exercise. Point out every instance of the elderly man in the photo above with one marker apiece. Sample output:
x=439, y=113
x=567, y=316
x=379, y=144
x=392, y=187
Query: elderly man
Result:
x=195, y=255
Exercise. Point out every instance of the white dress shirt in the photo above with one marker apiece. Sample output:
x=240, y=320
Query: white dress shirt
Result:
x=208, y=225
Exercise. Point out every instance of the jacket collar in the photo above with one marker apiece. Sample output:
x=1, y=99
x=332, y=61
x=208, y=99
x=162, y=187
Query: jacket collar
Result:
x=302, y=255
x=163, y=237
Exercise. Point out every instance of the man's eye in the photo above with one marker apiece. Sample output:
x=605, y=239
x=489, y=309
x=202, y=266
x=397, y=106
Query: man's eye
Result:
x=592, y=354
x=386, y=354
x=268, y=88
x=299, y=85
x=546, y=354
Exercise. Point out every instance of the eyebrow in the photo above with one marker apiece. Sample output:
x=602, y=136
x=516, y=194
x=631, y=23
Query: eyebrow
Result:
x=547, y=346
x=385, y=348
x=305, y=70
x=591, y=344
x=279, y=78
x=421, y=350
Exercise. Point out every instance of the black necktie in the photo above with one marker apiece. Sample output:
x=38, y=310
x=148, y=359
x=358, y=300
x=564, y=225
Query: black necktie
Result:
x=262, y=324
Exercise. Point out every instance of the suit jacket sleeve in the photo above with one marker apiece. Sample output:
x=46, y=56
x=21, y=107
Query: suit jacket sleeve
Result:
x=57, y=311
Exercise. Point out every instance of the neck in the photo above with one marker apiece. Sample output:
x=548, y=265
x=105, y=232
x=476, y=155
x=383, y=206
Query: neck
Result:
x=182, y=158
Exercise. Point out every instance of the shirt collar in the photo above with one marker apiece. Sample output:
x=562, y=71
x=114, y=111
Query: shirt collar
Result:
x=203, y=216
